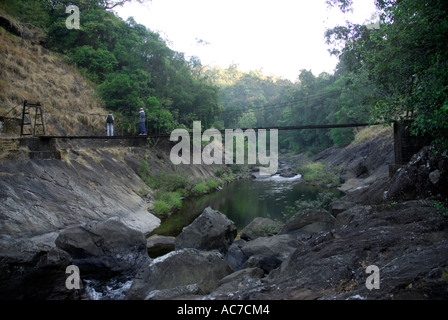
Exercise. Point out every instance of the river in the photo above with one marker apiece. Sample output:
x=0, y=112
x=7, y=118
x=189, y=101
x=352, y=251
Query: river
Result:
x=243, y=200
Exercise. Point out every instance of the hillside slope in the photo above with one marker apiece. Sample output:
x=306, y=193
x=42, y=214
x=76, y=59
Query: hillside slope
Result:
x=30, y=72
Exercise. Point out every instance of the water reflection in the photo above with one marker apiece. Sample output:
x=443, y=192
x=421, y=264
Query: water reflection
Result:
x=244, y=200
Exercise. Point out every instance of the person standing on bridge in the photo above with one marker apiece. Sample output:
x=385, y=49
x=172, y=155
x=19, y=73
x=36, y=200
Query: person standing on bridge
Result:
x=110, y=124
x=142, y=122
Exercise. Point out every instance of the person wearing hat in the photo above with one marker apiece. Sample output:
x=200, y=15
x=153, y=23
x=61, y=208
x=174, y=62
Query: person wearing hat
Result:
x=142, y=122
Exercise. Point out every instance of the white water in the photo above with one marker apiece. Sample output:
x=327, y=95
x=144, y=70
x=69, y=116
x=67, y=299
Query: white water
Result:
x=111, y=290
x=278, y=177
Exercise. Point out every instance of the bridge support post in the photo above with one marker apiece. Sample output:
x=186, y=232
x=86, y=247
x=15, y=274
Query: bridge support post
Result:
x=406, y=145
x=28, y=121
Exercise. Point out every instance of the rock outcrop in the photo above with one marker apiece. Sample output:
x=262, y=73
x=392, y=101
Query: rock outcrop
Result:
x=179, y=272
x=309, y=221
x=195, y=267
x=212, y=230
x=88, y=208
x=31, y=270
x=44, y=196
x=260, y=227
x=425, y=176
x=408, y=242
x=104, y=248
x=362, y=163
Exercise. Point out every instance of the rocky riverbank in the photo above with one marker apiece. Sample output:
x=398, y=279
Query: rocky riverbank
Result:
x=317, y=254
x=396, y=226
x=87, y=209
x=408, y=242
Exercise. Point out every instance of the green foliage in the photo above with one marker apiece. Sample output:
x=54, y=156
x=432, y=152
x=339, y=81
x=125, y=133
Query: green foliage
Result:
x=132, y=66
x=228, y=177
x=342, y=136
x=319, y=173
x=34, y=12
x=253, y=100
x=172, y=199
x=441, y=207
x=163, y=180
x=167, y=202
x=219, y=172
x=161, y=208
x=200, y=188
x=171, y=187
x=405, y=59
x=213, y=184
x=323, y=201
x=208, y=186
x=95, y=63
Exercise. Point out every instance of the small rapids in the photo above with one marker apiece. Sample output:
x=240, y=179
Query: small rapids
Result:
x=241, y=201
x=277, y=177
x=113, y=289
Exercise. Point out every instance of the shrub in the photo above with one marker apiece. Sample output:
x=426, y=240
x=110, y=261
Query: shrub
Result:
x=323, y=201
x=167, y=202
x=165, y=181
x=213, y=184
x=227, y=177
x=319, y=172
x=172, y=199
x=200, y=188
x=219, y=172
x=161, y=207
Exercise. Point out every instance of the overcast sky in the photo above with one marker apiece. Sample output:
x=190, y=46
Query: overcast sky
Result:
x=281, y=37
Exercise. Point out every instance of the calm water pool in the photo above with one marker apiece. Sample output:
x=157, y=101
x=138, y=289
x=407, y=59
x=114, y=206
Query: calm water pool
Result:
x=243, y=200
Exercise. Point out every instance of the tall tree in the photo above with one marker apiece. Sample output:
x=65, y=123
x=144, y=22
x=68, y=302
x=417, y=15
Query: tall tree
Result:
x=406, y=58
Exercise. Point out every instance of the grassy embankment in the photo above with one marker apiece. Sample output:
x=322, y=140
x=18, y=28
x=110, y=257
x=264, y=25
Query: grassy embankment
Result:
x=321, y=174
x=30, y=72
x=171, y=187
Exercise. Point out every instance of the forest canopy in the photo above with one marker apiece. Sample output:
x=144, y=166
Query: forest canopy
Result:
x=405, y=58
x=131, y=66
x=392, y=70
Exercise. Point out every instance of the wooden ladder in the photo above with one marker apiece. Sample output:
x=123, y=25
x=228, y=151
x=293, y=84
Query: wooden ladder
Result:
x=28, y=123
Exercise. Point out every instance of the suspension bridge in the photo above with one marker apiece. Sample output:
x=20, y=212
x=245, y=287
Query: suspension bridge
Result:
x=33, y=130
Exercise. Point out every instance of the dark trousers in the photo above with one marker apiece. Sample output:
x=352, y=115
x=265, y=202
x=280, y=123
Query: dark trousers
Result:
x=142, y=127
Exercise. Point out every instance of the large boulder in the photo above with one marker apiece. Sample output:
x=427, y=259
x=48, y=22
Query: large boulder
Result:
x=339, y=206
x=34, y=271
x=309, y=221
x=268, y=253
x=240, y=279
x=260, y=227
x=106, y=247
x=158, y=245
x=426, y=175
x=408, y=242
x=201, y=270
x=235, y=256
x=212, y=230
